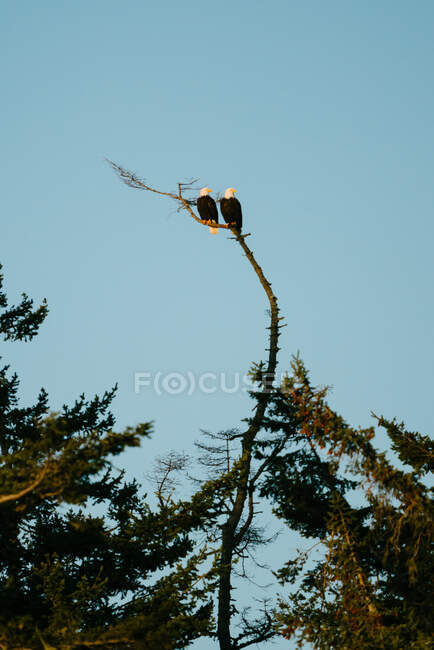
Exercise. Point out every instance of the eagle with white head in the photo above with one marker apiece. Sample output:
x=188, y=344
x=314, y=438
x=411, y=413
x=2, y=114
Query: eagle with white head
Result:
x=230, y=208
x=207, y=208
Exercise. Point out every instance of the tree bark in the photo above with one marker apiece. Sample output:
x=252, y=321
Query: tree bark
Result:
x=229, y=528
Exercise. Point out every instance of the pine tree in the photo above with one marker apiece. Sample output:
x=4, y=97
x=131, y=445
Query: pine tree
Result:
x=84, y=559
x=234, y=532
x=372, y=588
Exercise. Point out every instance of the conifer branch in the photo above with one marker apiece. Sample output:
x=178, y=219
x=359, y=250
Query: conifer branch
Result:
x=13, y=497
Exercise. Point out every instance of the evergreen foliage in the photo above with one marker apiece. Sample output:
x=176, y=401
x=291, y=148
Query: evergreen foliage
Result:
x=85, y=560
x=119, y=574
x=372, y=588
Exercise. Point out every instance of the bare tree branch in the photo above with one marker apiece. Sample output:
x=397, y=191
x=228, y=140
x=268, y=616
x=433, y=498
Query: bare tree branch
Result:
x=162, y=476
x=130, y=179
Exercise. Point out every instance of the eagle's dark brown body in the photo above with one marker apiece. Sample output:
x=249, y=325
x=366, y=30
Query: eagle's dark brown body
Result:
x=231, y=212
x=206, y=206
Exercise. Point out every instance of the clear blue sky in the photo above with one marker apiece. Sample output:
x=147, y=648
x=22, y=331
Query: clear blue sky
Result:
x=319, y=113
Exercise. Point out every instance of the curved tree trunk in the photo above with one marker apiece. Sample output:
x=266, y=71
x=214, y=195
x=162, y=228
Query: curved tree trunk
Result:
x=230, y=536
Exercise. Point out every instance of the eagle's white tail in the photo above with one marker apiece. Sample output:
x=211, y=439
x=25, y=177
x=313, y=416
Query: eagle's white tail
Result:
x=213, y=231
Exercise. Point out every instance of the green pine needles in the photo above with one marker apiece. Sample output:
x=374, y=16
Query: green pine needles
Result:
x=68, y=578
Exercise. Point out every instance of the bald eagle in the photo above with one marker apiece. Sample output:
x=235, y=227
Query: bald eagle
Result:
x=206, y=206
x=230, y=208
